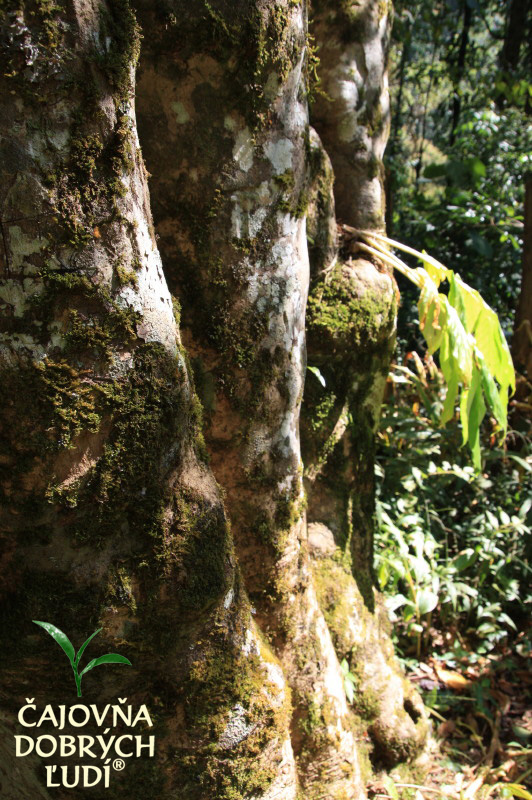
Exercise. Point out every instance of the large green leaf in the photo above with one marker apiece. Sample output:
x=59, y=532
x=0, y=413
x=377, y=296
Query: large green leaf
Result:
x=450, y=399
x=60, y=637
x=426, y=601
x=474, y=356
x=473, y=415
x=483, y=323
x=432, y=314
x=491, y=394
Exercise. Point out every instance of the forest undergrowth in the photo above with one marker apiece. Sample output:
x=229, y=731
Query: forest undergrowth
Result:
x=453, y=543
x=453, y=559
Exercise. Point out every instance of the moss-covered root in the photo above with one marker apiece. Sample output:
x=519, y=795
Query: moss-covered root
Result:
x=350, y=337
x=351, y=323
x=384, y=701
x=232, y=715
x=351, y=114
x=330, y=752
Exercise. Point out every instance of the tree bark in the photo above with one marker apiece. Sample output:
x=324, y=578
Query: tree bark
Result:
x=518, y=12
x=459, y=70
x=522, y=334
x=118, y=479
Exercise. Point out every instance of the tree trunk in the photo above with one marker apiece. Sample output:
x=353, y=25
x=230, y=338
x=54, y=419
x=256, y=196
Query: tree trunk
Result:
x=118, y=480
x=522, y=334
x=517, y=15
x=459, y=68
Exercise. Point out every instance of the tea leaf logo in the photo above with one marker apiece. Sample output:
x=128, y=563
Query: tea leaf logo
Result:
x=64, y=642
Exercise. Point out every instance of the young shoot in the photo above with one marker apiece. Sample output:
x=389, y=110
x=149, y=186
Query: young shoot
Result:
x=64, y=642
x=474, y=356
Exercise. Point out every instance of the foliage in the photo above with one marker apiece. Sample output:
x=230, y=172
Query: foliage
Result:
x=349, y=681
x=64, y=642
x=452, y=546
x=460, y=145
x=466, y=331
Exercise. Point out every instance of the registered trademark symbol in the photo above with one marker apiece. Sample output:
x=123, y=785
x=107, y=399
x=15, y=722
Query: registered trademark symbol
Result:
x=119, y=764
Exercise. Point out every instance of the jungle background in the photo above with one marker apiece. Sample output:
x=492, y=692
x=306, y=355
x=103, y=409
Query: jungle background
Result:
x=453, y=547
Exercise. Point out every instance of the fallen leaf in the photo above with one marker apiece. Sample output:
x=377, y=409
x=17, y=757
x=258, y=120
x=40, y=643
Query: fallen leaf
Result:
x=454, y=680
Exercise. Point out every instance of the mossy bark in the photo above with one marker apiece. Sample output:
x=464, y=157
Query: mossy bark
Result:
x=350, y=339
x=110, y=516
x=118, y=479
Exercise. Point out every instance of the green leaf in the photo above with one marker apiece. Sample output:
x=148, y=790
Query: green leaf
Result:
x=349, y=690
x=491, y=393
x=465, y=559
x=349, y=681
x=315, y=371
x=474, y=354
x=456, y=299
x=84, y=645
x=432, y=315
x=426, y=601
x=484, y=324
x=110, y=658
x=450, y=399
x=472, y=411
x=391, y=788
x=460, y=346
x=434, y=171
x=476, y=167
x=61, y=638
x=518, y=791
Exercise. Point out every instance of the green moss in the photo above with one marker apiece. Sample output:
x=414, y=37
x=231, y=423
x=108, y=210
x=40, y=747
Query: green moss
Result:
x=366, y=703
x=57, y=403
x=250, y=46
x=119, y=27
x=313, y=720
x=176, y=305
x=291, y=202
x=86, y=185
x=286, y=183
x=145, y=412
x=126, y=276
x=45, y=21
x=120, y=589
x=346, y=316
x=373, y=120
x=92, y=322
x=322, y=411
x=336, y=591
x=222, y=682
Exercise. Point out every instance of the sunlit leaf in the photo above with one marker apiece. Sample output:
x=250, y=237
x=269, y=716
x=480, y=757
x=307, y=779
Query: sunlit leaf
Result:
x=518, y=791
x=426, y=601
x=474, y=356
x=315, y=371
